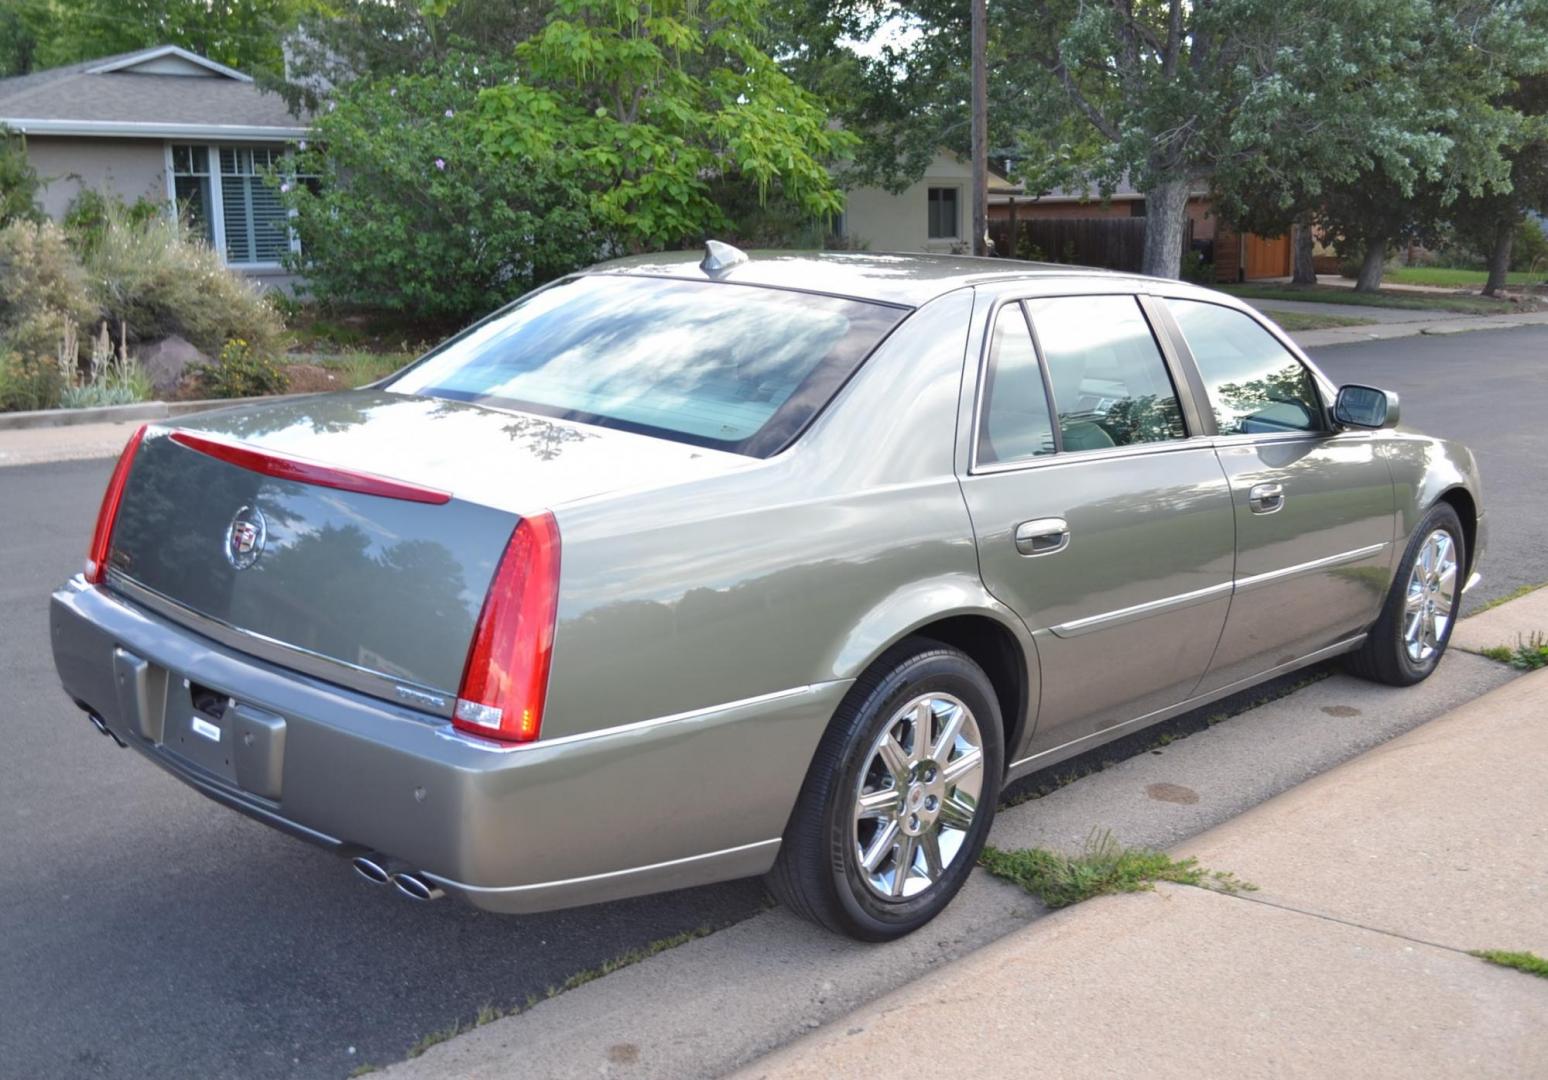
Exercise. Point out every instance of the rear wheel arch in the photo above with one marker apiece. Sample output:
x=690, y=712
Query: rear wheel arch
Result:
x=992, y=646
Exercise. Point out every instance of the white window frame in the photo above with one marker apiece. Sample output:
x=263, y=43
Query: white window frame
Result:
x=216, y=209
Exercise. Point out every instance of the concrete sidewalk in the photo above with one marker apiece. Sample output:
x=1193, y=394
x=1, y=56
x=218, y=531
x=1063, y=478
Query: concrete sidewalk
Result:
x=1375, y=880
x=1439, y=322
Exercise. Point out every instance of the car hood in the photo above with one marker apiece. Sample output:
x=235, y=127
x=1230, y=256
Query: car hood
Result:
x=511, y=461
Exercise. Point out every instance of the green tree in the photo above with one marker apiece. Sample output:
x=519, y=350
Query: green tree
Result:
x=647, y=107
x=244, y=34
x=410, y=211
x=1492, y=220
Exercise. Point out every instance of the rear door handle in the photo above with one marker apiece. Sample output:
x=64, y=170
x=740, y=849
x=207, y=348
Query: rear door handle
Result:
x=1042, y=536
x=1266, y=498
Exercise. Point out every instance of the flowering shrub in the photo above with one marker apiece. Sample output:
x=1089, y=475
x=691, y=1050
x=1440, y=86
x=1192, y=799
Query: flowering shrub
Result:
x=241, y=371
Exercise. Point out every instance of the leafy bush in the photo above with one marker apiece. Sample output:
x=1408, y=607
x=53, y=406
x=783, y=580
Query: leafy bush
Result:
x=411, y=213
x=241, y=371
x=1529, y=249
x=18, y=182
x=41, y=289
x=91, y=213
x=149, y=274
x=28, y=382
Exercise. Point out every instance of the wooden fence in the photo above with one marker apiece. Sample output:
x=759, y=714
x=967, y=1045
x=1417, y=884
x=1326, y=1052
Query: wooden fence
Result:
x=1111, y=243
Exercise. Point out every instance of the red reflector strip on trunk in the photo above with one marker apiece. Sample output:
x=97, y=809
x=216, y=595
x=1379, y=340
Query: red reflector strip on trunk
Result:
x=284, y=467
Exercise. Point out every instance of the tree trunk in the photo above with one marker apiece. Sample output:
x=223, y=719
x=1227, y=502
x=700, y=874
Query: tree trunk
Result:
x=1305, y=270
x=1499, y=258
x=1166, y=218
x=1373, y=266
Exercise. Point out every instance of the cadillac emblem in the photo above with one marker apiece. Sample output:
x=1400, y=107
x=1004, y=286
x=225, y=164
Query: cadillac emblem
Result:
x=245, y=536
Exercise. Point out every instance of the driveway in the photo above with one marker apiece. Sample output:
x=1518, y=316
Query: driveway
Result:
x=150, y=933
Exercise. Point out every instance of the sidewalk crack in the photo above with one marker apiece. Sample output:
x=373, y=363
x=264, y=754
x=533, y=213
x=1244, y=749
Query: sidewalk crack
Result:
x=1266, y=902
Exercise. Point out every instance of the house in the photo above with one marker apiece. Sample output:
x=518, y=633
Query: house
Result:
x=167, y=125
x=932, y=214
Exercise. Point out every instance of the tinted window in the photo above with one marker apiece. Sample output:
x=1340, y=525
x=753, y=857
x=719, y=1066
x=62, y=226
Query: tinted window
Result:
x=1015, y=420
x=1255, y=385
x=1110, y=383
x=716, y=364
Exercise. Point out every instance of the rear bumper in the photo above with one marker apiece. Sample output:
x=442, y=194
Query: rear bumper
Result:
x=662, y=804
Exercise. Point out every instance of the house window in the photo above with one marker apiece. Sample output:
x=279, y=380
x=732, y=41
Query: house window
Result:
x=943, y=213
x=257, y=225
x=191, y=188
x=224, y=192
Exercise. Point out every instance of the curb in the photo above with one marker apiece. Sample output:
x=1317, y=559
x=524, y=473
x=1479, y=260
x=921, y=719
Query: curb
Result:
x=110, y=414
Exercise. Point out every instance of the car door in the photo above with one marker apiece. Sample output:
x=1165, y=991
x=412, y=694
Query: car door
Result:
x=1314, y=507
x=1099, y=519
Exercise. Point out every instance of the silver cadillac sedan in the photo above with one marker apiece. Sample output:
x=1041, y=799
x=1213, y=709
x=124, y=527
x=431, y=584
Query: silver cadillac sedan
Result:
x=682, y=570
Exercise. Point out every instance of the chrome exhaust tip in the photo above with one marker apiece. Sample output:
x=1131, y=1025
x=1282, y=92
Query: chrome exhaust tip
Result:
x=102, y=729
x=377, y=869
x=415, y=887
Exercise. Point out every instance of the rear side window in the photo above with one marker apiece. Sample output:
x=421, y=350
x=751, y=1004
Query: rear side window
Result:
x=734, y=367
x=1110, y=383
x=1255, y=385
x=1016, y=422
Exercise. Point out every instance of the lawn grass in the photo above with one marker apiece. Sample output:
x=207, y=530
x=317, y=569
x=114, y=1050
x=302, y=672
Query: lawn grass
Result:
x=1105, y=867
x=1447, y=277
x=1530, y=963
x=1334, y=294
x=1302, y=320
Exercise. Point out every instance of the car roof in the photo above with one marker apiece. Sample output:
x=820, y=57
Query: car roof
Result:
x=885, y=277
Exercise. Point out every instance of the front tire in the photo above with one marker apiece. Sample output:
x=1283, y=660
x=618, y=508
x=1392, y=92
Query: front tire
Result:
x=898, y=801
x=1411, y=635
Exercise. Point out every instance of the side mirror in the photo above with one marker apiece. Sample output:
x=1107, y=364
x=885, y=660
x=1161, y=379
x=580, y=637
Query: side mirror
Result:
x=1365, y=407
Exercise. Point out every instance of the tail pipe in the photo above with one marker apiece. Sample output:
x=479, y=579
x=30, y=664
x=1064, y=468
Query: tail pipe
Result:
x=102, y=729
x=381, y=869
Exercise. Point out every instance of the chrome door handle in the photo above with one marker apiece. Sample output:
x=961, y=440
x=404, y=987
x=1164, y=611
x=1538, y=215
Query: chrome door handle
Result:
x=1042, y=536
x=1266, y=498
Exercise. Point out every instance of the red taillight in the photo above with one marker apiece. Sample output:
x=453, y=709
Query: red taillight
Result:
x=287, y=467
x=102, y=538
x=506, y=678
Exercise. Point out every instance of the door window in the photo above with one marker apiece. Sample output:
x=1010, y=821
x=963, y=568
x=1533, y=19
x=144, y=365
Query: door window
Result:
x=1255, y=385
x=1016, y=421
x=1110, y=383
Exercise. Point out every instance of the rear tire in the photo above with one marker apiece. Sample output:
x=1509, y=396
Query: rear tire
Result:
x=889, y=822
x=1415, y=624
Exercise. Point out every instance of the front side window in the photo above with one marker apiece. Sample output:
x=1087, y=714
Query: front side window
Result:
x=1110, y=383
x=1016, y=423
x=1255, y=385
x=943, y=213
x=734, y=367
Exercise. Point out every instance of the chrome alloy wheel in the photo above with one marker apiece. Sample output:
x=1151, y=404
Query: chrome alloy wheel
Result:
x=917, y=796
x=1432, y=588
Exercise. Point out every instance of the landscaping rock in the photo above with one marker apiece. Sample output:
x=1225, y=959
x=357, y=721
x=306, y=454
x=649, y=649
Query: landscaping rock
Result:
x=166, y=361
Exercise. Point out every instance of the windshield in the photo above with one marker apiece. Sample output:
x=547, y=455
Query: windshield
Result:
x=735, y=367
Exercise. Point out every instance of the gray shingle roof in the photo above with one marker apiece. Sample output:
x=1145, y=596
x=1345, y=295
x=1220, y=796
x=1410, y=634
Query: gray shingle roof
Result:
x=75, y=93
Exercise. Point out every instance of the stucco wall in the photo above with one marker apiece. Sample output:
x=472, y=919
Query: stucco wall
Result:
x=881, y=221
x=133, y=168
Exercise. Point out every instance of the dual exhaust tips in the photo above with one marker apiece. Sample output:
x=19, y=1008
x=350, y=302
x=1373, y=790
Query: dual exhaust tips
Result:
x=380, y=870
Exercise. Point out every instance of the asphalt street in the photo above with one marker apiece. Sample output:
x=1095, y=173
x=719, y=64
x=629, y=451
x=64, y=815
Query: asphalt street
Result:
x=145, y=931
x=1490, y=390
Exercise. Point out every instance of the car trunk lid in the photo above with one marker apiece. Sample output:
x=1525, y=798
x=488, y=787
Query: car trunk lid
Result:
x=360, y=529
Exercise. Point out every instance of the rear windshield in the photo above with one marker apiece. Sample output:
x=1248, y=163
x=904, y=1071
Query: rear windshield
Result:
x=734, y=367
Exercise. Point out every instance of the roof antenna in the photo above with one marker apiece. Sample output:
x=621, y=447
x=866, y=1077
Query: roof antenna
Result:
x=719, y=256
